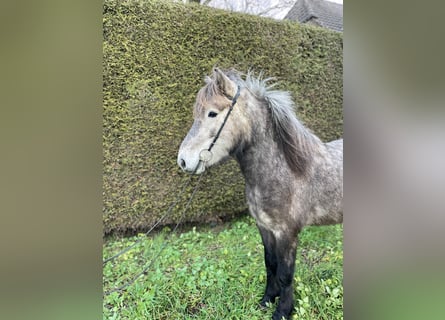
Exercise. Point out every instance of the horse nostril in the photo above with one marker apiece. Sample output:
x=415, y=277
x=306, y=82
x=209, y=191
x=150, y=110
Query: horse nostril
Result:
x=182, y=162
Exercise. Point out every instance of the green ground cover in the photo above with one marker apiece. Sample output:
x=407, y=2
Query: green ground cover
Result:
x=219, y=273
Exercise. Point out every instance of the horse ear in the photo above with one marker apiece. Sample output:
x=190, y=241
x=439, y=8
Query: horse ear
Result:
x=227, y=86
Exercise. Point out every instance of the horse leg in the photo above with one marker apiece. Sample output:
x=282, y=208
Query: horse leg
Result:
x=272, y=287
x=285, y=252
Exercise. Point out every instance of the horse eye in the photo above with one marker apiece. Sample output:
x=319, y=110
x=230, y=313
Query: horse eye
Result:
x=212, y=114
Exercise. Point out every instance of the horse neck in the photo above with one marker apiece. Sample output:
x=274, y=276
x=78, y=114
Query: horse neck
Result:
x=260, y=157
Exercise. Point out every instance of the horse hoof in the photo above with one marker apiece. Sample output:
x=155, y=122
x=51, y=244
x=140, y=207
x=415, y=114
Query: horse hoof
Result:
x=264, y=303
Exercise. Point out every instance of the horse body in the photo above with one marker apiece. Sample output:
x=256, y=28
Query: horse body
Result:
x=292, y=178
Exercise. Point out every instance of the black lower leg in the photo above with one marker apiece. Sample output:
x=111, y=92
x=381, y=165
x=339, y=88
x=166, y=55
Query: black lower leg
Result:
x=272, y=286
x=286, y=303
x=285, y=273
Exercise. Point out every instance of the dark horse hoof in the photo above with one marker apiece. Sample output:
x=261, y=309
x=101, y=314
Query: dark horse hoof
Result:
x=266, y=300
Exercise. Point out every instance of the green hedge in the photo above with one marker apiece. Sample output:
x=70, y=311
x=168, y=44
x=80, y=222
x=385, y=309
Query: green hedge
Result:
x=156, y=54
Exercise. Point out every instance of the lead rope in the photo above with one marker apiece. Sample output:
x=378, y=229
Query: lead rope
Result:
x=154, y=225
x=144, y=271
x=205, y=155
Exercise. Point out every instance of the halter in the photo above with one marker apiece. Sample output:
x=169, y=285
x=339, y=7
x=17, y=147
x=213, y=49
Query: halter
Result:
x=206, y=155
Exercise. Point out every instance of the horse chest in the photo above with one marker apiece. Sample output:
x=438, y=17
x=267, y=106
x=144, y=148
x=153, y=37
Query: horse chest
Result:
x=266, y=210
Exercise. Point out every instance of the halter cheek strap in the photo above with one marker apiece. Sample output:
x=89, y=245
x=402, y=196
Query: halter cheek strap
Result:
x=206, y=155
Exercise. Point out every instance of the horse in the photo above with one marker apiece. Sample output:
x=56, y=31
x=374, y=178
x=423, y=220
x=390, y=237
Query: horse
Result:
x=292, y=178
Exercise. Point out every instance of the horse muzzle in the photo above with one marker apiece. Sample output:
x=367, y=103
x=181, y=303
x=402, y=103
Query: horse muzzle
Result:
x=191, y=165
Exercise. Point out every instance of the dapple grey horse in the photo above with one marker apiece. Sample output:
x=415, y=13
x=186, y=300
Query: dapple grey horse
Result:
x=292, y=178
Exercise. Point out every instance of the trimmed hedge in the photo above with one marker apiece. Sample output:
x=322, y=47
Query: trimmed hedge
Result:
x=156, y=54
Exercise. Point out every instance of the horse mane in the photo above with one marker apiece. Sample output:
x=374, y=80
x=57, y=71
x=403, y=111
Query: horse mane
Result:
x=296, y=142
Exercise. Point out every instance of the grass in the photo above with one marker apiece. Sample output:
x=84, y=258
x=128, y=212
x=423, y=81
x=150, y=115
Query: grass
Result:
x=219, y=273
